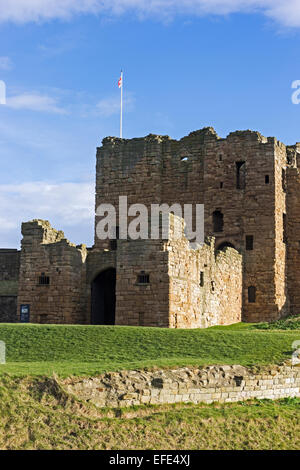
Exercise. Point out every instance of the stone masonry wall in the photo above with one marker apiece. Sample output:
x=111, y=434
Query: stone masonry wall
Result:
x=140, y=304
x=205, y=286
x=255, y=208
x=194, y=385
x=202, y=169
x=9, y=275
x=293, y=235
x=46, y=251
x=175, y=296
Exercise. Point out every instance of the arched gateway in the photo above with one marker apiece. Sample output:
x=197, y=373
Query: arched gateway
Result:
x=103, y=298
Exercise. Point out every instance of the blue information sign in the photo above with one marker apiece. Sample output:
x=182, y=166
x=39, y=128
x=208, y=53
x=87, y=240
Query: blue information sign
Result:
x=24, y=313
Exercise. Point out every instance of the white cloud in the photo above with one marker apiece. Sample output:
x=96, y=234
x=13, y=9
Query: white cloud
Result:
x=35, y=102
x=110, y=106
x=286, y=12
x=66, y=206
x=5, y=63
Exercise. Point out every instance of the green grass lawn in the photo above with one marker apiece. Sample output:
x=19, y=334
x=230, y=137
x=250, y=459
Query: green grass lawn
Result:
x=37, y=413
x=89, y=350
x=34, y=414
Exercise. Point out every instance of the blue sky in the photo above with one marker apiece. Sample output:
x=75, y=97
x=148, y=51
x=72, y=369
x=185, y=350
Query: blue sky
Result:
x=186, y=65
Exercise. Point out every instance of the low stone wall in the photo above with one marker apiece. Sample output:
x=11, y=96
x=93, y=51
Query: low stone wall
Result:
x=195, y=385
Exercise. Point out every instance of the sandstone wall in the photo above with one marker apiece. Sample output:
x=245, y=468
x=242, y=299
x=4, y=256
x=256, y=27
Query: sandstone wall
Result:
x=293, y=234
x=255, y=208
x=175, y=296
x=202, y=168
x=46, y=252
x=205, y=286
x=282, y=300
x=9, y=275
x=140, y=304
x=193, y=385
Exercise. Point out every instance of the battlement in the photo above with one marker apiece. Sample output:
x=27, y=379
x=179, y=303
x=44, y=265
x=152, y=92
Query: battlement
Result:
x=200, y=133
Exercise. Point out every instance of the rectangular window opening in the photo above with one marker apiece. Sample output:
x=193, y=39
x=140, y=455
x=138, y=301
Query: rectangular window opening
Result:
x=240, y=175
x=249, y=242
x=44, y=280
x=283, y=180
x=284, y=235
x=143, y=278
x=251, y=295
x=113, y=245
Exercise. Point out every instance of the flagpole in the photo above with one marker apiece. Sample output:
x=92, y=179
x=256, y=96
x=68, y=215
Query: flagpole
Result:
x=121, y=108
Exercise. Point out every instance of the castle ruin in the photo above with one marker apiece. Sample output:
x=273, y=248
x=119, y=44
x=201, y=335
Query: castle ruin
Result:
x=247, y=269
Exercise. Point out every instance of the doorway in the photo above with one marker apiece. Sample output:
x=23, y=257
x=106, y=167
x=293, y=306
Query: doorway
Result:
x=103, y=300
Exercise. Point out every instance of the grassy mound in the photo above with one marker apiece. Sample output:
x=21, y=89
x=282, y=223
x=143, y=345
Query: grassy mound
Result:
x=38, y=414
x=290, y=323
x=89, y=350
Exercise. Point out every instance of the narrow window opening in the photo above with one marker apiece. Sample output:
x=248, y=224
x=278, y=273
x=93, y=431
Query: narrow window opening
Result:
x=44, y=280
x=143, y=278
x=218, y=221
x=113, y=243
x=251, y=294
x=267, y=179
x=220, y=158
x=249, y=242
x=284, y=235
x=221, y=185
x=141, y=319
x=201, y=279
x=283, y=180
x=213, y=286
x=240, y=175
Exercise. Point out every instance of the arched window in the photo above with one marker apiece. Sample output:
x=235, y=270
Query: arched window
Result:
x=251, y=294
x=225, y=245
x=218, y=221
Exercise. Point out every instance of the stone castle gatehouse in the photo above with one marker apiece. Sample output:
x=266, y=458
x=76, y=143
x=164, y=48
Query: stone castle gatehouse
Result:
x=247, y=270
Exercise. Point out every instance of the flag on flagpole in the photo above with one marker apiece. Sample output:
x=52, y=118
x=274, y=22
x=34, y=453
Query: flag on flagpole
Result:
x=120, y=82
x=120, y=85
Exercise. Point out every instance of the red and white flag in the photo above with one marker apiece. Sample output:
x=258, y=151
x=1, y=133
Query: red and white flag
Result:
x=120, y=85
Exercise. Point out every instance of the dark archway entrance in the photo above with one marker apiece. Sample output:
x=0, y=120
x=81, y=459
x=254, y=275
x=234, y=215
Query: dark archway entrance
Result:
x=104, y=298
x=225, y=245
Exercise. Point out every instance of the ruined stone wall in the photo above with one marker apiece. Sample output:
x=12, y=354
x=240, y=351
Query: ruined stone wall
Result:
x=202, y=168
x=293, y=235
x=177, y=295
x=151, y=170
x=9, y=275
x=46, y=252
x=183, y=168
x=139, y=304
x=282, y=301
x=205, y=286
x=131, y=168
x=210, y=384
x=249, y=210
